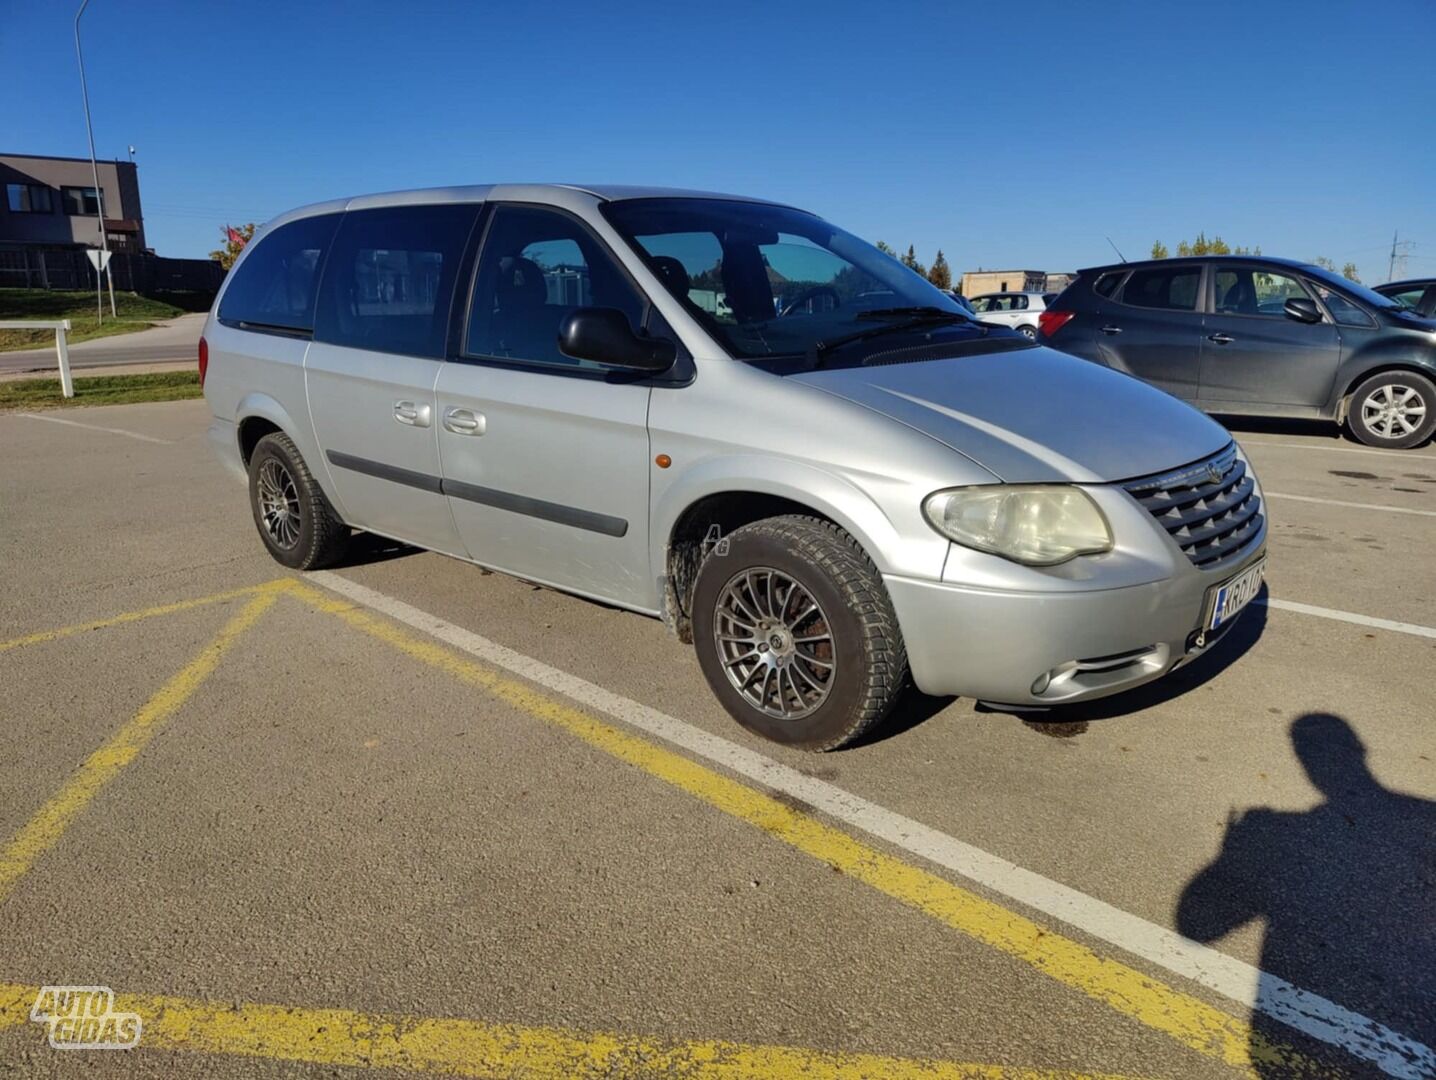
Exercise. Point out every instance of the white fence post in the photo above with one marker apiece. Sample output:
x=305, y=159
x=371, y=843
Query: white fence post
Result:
x=62, y=346
x=67, y=385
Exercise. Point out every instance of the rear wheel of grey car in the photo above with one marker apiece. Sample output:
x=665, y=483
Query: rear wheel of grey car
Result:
x=295, y=521
x=1393, y=408
x=796, y=634
x=1029, y=332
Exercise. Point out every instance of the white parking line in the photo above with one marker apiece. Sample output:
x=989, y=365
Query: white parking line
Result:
x=1353, y=505
x=1409, y=455
x=1308, y=1013
x=96, y=427
x=1349, y=617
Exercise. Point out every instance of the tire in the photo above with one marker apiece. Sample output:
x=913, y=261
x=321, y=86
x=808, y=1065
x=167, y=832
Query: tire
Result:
x=838, y=670
x=1029, y=332
x=1385, y=405
x=304, y=533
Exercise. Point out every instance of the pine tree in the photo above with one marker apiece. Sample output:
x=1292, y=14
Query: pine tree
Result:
x=1159, y=250
x=940, y=274
x=910, y=261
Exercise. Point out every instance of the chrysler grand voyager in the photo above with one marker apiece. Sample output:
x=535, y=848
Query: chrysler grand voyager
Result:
x=737, y=417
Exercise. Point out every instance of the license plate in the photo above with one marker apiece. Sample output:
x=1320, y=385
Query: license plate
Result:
x=1227, y=600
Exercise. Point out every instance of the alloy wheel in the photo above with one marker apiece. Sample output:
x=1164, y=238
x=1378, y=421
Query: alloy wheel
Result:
x=775, y=643
x=279, y=503
x=1393, y=411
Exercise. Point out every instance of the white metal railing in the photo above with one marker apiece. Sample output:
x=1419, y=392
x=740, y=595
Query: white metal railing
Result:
x=62, y=347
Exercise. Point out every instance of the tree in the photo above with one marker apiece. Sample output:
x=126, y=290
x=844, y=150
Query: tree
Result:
x=234, y=241
x=1325, y=263
x=910, y=261
x=940, y=274
x=883, y=247
x=1159, y=250
x=1348, y=271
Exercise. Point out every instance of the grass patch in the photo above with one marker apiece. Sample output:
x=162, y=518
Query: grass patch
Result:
x=135, y=312
x=101, y=390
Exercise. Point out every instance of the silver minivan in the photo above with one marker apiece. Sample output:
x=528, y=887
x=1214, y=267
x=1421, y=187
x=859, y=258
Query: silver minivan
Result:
x=736, y=417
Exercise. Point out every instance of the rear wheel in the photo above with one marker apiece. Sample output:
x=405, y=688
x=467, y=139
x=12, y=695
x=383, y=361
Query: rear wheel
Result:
x=294, y=519
x=1029, y=332
x=1396, y=409
x=796, y=635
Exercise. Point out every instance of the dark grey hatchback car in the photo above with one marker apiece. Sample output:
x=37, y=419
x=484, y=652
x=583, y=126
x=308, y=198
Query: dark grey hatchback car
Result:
x=1258, y=336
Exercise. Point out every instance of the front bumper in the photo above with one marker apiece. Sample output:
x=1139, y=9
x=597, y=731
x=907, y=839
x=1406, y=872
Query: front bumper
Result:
x=998, y=645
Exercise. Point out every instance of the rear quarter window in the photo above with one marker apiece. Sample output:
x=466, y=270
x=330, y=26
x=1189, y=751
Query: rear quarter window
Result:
x=1107, y=284
x=275, y=284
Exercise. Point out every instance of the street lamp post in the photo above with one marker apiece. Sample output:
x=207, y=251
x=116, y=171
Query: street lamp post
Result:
x=95, y=170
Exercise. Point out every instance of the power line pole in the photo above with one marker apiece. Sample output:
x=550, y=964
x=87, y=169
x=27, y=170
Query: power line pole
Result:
x=1400, y=251
x=95, y=171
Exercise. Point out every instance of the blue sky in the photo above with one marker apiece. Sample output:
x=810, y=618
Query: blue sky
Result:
x=1008, y=135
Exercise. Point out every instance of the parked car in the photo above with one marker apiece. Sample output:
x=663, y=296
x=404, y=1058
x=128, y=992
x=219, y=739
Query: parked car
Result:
x=1018, y=310
x=1258, y=336
x=1419, y=294
x=822, y=501
x=963, y=302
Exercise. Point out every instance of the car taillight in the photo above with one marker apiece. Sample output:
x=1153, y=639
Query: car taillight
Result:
x=203, y=360
x=1050, y=321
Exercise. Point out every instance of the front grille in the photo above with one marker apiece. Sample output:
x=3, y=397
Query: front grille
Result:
x=1210, y=508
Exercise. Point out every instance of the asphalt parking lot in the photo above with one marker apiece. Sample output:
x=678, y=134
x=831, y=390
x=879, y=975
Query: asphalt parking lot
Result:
x=411, y=816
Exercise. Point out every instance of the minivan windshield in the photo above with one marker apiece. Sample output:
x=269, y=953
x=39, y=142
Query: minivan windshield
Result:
x=771, y=281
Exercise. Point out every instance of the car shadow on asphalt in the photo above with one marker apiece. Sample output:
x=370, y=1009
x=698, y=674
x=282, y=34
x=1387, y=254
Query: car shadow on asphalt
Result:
x=1346, y=890
x=367, y=548
x=1274, y=425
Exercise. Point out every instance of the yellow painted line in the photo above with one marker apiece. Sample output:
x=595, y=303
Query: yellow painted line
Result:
x=338, y=1037
x=1185, y=1018
x=47, y=826
x=277, y=585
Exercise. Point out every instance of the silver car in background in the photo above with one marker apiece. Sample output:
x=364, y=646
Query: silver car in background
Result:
x=734, y=416
x=1018, y=311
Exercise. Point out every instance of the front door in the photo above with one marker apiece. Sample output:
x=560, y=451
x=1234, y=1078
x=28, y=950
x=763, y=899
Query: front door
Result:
x=545, y=458
x=1253, y=353
x=1153, y=329
x=379, y=341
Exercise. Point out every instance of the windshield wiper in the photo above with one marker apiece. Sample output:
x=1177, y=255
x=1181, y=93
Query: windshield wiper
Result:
x=907, y=318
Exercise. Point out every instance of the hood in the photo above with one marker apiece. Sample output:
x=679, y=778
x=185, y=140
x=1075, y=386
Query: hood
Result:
x=1034, y=415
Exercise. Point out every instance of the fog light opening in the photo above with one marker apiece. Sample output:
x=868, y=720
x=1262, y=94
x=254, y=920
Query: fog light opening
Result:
x=1040, y=684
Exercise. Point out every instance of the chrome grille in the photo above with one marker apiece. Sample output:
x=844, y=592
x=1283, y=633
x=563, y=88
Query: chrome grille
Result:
x=1210, y=508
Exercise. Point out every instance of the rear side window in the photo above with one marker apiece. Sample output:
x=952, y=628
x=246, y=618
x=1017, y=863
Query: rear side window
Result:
x=274, y=286
x=1173, y=288
x=1107, y=284
x=389, y=278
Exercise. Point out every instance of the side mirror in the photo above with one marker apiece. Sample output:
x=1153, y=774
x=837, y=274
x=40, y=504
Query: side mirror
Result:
x=1303, y=309
x=603, y=335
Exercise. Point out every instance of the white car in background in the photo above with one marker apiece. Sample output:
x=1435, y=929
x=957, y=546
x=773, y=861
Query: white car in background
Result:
x=1017, y=310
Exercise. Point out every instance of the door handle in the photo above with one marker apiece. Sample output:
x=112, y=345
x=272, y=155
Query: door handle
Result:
x=1221, y=339
x=408, y=412
x=1110, y=329
x=464, y=422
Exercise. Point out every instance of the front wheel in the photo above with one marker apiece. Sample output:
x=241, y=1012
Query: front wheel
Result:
x=1029, y=332
x=796, y=634
x=294, y=519
x=1395, y=409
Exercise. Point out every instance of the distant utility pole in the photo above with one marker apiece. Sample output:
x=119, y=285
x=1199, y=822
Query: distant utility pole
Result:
x=95, y=171
x=1400, y=249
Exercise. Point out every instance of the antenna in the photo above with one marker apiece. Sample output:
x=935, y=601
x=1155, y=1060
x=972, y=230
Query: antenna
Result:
x=1117, y=250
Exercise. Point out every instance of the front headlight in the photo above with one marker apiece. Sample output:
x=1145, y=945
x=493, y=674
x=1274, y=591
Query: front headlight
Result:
x=1036, y=524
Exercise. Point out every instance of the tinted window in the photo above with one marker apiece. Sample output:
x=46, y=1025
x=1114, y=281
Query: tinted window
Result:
x=536, y=266
x=389, y=278
x=1173, y=287
x=1107, y=284
x=1246, y=290
x=1409, y=297
x=274, y=284
x=1343, y=310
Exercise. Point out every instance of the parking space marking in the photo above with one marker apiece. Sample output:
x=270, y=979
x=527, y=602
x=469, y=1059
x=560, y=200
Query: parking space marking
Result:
x=47, y=826
x=94, y=427
x=143, y=613
x=1176, y=1013
x=1185, y=1018
x=1409, y=455
x=1348, y=617
x=455, y=1047
x=1352, y=505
